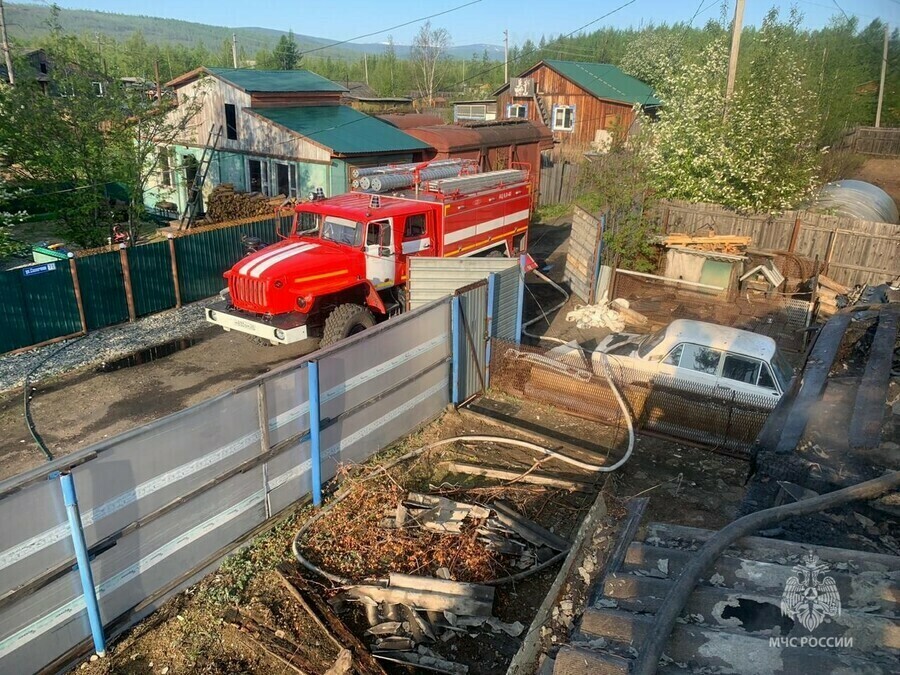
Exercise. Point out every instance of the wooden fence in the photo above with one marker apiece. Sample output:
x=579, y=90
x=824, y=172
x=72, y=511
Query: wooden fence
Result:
x=854, y=251
x=559, y=182
x=873, y=141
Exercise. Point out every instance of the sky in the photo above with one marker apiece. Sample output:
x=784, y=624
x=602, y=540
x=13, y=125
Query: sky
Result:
x=481, y=22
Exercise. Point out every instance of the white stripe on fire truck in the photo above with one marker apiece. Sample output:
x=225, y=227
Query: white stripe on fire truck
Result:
x=257, y=271
x=266, y=255
x=487, y=226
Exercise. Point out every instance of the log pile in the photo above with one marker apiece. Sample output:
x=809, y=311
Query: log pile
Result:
x=224, y=204
x=831, y=295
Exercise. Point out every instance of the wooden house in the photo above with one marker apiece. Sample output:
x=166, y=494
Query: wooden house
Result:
x=582, y=104
x=282, y=133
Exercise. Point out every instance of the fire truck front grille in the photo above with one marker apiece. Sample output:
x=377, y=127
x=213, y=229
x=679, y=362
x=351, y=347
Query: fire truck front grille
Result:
x=249, y=292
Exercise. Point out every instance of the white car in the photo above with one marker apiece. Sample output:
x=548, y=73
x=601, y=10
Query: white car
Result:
x=704, y=353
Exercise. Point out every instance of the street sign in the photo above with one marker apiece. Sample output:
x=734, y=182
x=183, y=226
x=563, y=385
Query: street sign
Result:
x=38, y=269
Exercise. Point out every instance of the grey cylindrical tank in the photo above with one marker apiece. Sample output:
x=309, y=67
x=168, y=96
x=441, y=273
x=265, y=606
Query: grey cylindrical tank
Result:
x=858, y=199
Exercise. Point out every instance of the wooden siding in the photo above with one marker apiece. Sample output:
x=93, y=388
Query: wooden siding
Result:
x=881, y=142
x=256, y=135
x=591, y=113
x=293, y=99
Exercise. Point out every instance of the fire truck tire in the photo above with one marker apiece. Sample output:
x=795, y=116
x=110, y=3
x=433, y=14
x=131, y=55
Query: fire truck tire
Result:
x=345, y=320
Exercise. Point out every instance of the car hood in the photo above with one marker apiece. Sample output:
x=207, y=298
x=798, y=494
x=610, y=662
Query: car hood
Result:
x=620, y=343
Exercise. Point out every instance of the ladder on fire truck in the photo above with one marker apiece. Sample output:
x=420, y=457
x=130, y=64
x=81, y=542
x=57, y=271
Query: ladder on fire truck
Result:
x=194, y=200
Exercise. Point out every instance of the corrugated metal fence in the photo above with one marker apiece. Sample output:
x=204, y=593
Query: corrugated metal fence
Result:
x=50, y=301
x=162, y=504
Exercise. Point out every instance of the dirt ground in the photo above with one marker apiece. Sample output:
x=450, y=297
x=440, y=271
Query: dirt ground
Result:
x=885, y=173
x=78, y=410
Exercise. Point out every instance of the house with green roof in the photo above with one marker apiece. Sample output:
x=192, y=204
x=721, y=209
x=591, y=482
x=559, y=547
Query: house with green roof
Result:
x=277, y=132
x=583, y=104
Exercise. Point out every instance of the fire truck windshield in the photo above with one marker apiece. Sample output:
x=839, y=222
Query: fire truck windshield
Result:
x=342, y=231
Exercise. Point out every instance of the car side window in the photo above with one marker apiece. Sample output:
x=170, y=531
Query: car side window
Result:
x=674, y=356
x=765, y=379
x=700, y=359
x=740, y=369
x=415, y=226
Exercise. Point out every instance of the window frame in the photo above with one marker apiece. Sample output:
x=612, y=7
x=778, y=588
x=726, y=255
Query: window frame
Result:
x=413, y=237
x=264, y=186
x=165, y=166
x=231, y=126
x=523, y=107
x=557, y=108
x=758, y=362
x=681, y=345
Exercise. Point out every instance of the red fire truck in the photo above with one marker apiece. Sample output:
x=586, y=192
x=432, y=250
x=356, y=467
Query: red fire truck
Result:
x=344, y=264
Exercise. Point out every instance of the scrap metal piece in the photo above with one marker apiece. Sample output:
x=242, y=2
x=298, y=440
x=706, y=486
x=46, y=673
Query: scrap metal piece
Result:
x=529, y=530
x=428, y=594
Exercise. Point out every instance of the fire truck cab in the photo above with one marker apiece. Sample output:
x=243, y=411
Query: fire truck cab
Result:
x=344, y=265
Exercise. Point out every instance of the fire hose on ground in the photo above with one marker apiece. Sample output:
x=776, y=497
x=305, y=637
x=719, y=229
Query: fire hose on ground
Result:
x=677, y=598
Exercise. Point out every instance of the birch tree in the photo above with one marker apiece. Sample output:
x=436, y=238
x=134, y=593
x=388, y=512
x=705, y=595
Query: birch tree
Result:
x=428, y=54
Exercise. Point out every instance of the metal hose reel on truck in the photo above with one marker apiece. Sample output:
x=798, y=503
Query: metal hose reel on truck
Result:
x=351, y=270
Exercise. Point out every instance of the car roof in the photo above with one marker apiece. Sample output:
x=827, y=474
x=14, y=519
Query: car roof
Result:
x=728, y=339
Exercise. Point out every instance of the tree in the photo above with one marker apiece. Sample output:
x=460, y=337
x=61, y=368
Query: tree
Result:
x=8, y=218
x=761, y=155
x=287, y=56
x=429, y=49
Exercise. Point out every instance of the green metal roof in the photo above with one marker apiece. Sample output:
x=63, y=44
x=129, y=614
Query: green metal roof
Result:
x=605, y=81
x=342, y=129
x=275, y=80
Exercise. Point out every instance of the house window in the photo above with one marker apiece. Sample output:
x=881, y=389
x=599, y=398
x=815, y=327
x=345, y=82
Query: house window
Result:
x=259, y=175
x=286, y=179
x=517, y=110
x=165, y=170
x=98, y=88
x=43, y=67
x=563, y=117
x=231, y=122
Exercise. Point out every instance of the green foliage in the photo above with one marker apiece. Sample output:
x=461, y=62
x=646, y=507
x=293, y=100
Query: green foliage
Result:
x=286, y=55
x=7, y=245
x=618, y=185
x=760, y=153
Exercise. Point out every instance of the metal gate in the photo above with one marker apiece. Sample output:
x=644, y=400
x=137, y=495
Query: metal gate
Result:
x=470, y=339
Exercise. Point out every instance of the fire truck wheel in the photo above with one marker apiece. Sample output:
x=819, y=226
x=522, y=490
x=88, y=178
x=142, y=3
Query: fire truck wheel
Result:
x=345, y=320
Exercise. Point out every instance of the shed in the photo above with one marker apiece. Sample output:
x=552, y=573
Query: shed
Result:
x=494, y=145
x=411, y=120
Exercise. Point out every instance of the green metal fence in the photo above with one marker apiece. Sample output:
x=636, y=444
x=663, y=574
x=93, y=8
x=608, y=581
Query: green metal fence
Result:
x=39, y=302
x=102, y=289
x=151, y=278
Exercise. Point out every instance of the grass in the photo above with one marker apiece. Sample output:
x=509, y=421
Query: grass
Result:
x=550, y=212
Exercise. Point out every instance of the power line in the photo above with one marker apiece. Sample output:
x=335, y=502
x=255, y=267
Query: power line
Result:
x=399, y=25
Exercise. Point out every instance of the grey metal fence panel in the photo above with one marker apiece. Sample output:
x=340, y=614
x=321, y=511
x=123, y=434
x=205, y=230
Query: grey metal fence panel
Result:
x=289, y=476
x=368, y=367
x=36, y=542
x=42, y=625
x=472, y=340
x=161, y=462
x=287, y=399
x=358, y=436
x=152, y=556
x=506, y=303
x=433, y=278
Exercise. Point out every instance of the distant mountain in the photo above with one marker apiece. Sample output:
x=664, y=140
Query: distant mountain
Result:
x=28, y=22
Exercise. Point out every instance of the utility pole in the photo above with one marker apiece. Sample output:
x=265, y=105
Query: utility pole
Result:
x=883, y=71
x=234, y=49
x=158, y=84
x=735, y=48
x=4, y=44
x=506, y=56
x=366, y=66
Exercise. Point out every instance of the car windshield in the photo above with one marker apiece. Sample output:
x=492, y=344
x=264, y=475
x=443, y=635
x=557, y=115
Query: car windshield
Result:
x=306, y=223
x=651, y=342
x=342, y=231
x=783, y=370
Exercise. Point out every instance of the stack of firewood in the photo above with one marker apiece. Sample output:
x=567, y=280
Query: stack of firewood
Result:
x=224, y=203
x=832, y=296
